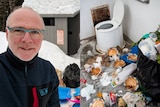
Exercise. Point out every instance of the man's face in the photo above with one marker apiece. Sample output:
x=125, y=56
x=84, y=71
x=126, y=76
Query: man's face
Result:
x=23, y=43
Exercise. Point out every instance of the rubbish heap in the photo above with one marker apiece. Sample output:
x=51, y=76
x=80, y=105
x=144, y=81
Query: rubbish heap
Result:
x=118, y=78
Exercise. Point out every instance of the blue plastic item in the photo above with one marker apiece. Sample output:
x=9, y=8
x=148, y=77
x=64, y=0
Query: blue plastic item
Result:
x=77, y=92
x=146, y=36
x=64, y=93
x=76, y=105
x=134, y=50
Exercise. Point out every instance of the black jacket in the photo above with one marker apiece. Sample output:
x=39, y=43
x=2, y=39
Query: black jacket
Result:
x=27, y=84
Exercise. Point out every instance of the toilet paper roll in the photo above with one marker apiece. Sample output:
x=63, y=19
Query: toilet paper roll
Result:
x=126, y=71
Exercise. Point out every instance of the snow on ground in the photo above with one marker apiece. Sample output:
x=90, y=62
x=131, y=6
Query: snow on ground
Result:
x=53, y=6
x=3, y=42
x=56, y=56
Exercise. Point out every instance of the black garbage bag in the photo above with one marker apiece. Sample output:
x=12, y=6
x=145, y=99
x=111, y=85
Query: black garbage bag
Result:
x=148, y=74
x=71, y=76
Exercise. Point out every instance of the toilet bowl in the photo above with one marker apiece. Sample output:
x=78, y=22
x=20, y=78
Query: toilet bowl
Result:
x=109, y=33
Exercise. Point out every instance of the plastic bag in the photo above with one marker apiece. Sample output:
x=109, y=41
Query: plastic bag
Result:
x=71, y=76
x=148, y=74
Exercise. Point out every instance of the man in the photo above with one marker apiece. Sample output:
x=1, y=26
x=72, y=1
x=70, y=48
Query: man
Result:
x=25, y=79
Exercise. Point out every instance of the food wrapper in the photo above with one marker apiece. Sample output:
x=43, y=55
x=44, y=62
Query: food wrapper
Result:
x=97, y=102
x=131, y=99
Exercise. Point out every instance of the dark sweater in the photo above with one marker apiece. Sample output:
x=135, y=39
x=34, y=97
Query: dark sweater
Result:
x=27, y=84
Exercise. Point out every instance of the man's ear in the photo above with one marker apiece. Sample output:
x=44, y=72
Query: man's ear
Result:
x=6, y=34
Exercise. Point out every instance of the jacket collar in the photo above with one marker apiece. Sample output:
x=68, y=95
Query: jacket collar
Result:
x=19, y=64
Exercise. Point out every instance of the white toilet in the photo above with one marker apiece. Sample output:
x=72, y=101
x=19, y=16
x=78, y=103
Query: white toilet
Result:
x=109, y=33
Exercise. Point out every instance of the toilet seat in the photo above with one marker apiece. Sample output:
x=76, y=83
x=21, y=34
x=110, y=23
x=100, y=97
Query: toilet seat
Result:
x=115, y=25
x=118, y=12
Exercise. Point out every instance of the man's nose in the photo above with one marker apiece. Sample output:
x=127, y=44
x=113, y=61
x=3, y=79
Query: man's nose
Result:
x=27, y=37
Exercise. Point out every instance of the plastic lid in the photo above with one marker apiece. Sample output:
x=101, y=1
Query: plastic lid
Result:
x=118, y=11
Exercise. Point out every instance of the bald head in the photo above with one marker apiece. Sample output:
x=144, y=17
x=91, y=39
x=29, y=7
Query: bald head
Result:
x=30, y=16
x=25, y=46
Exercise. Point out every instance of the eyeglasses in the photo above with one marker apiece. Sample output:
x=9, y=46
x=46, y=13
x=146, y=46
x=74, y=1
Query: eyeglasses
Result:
x=21, y=32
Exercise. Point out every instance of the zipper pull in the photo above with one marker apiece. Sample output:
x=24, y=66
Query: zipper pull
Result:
x=26, y=71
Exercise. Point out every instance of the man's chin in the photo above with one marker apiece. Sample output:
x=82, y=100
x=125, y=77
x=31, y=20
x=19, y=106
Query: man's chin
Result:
x=26, y=58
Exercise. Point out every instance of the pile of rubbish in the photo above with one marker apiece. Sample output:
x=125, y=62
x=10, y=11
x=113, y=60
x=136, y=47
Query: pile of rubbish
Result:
x=116, y=78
